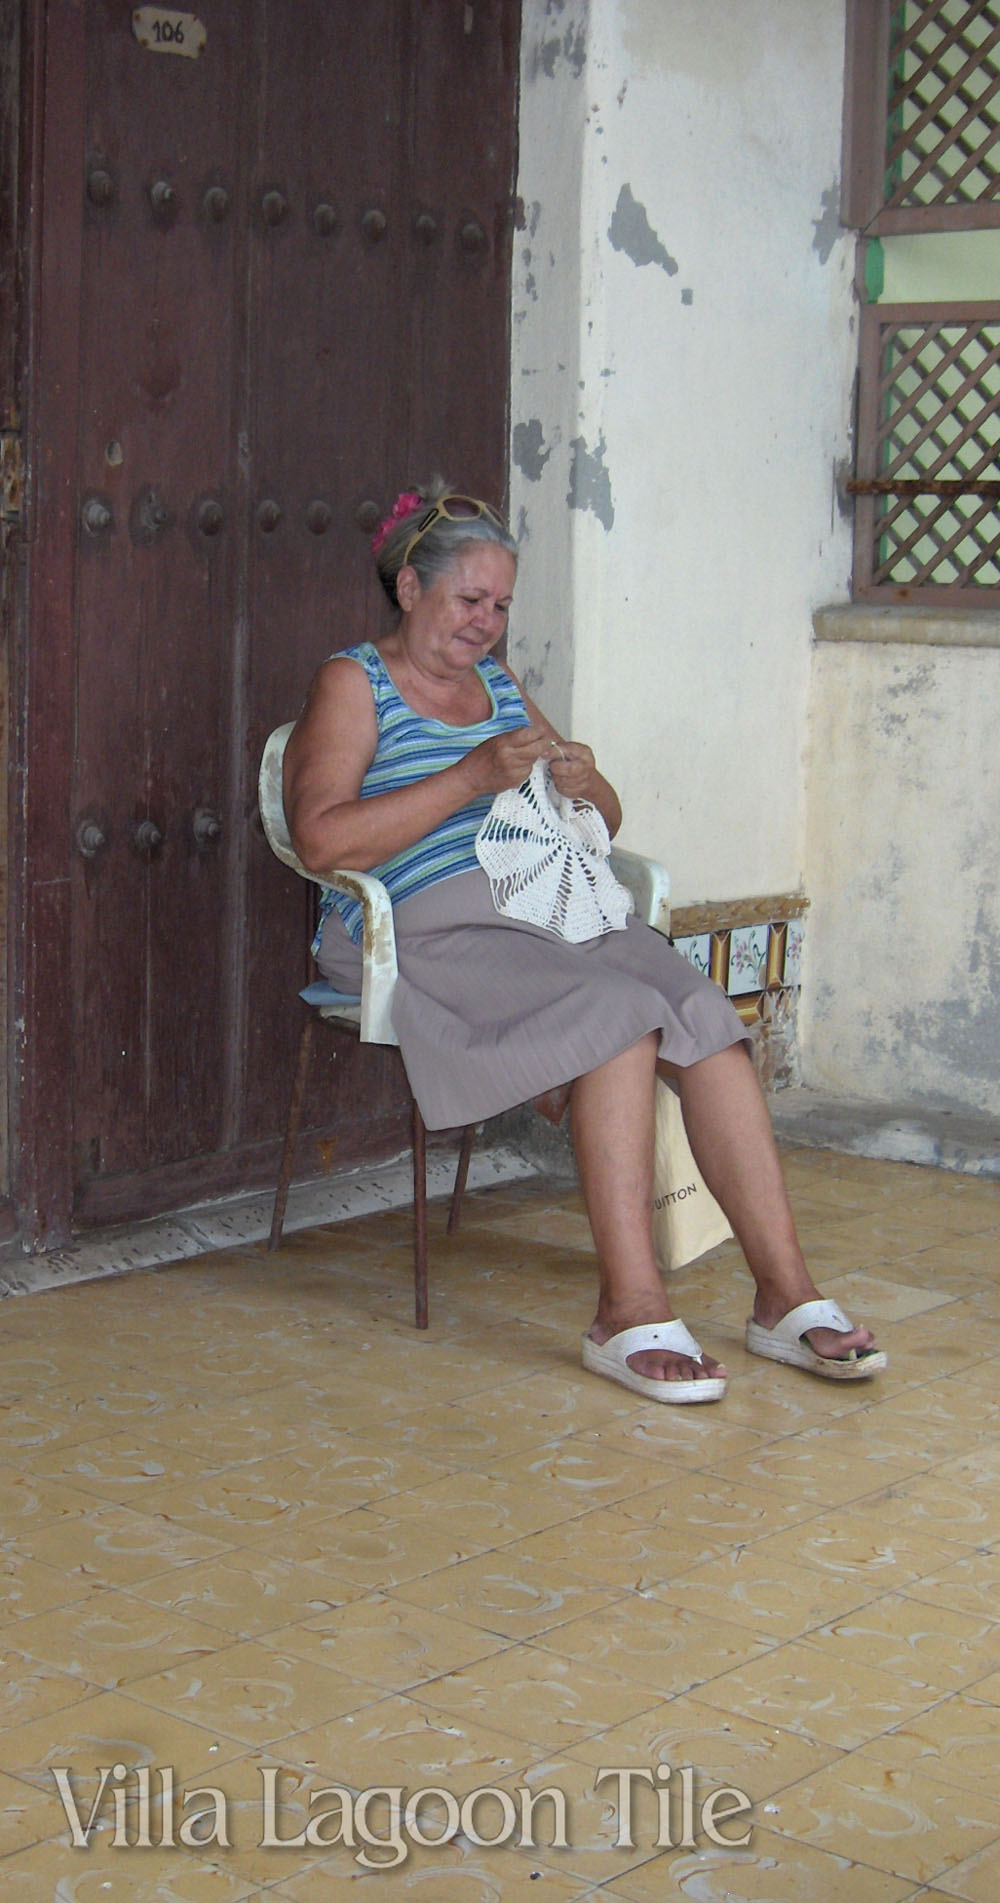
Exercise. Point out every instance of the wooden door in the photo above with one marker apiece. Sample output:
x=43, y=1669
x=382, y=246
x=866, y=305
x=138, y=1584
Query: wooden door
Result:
x=272, y=287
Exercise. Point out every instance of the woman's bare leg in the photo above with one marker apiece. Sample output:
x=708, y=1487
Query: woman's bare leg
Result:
x=730, y=1134
x=612, y=1116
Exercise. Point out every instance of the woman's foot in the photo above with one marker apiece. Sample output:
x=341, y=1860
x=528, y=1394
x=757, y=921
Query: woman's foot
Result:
x=816, y=1335
x=654, y=1364
x=831, y=1344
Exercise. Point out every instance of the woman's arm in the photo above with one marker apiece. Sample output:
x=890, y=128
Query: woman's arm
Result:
x=328, y=754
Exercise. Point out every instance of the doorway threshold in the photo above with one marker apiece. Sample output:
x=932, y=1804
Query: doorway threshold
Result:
x=232, y=1222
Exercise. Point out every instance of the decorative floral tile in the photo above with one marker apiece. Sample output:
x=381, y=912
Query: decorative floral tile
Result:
x=793, y=951
x=747, y=959
x=697, y=951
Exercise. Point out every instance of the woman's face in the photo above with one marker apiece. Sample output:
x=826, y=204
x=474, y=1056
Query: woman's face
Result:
x=462, y=615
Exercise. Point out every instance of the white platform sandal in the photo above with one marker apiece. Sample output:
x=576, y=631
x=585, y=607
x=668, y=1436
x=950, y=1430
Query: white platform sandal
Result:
x=786, y=1342
x=610, y=1358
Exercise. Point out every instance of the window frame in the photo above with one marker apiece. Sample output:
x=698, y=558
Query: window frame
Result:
x=876, y=320
x=866, y=107
x=864, y=206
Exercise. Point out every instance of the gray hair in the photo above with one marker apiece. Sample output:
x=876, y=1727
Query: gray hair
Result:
x=433, y=555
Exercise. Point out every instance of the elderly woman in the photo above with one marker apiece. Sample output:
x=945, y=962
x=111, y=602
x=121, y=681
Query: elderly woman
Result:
x=392, y=768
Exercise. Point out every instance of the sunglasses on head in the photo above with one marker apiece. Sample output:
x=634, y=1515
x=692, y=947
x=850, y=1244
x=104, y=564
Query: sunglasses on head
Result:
x=449, y=509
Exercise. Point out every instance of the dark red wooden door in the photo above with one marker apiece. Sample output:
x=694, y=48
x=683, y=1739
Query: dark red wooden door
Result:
x=272, y=286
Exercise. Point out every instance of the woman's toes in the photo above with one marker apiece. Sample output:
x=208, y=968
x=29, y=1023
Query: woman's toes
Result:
x=661, y=1367
x=834, y=1347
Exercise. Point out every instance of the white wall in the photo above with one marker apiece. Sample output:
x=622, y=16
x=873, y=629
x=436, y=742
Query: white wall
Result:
x=683, y=355
x=901, y=999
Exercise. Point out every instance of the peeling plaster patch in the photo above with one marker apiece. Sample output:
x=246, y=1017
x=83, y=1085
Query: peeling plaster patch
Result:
x=630, y=231
x=895, y=718
x=589, y=481
x=526, y=446
x=571, y=47
x=533, y=214
x=911, y=682
x=827, y=227
x=522, y=533
x=687, y=297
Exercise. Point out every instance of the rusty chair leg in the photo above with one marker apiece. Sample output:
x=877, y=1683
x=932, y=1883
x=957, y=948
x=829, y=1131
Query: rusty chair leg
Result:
x=292, y=1131
x=419, y=1217
x=461, y=1177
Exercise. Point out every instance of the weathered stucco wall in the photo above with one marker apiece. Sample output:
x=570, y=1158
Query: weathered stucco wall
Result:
x=901, y=995
x=684, y=349
x=683, y=354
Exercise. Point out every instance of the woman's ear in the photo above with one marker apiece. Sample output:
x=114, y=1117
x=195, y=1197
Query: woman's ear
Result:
x=407, y=587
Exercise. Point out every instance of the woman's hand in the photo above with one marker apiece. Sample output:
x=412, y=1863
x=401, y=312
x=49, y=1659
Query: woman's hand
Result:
x=571, y=764
x=575, y=773
x=507, y=759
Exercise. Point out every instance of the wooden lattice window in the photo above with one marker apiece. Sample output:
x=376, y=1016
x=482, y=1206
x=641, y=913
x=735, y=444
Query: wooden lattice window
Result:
x=922, y=149
x=928, y=439
x=922, y=154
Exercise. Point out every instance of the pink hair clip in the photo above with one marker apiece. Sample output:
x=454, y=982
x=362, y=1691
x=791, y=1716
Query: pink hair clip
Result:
x=405, y=504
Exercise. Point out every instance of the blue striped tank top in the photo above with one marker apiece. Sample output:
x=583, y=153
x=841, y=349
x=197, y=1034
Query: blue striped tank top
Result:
x=411, y=746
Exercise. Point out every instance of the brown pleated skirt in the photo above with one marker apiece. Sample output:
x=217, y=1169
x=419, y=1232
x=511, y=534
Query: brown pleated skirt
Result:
x=490, y=1012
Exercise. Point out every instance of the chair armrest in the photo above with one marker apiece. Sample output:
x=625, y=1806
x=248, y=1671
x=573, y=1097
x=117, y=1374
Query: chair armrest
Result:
x=379, y=970
x=649, y=884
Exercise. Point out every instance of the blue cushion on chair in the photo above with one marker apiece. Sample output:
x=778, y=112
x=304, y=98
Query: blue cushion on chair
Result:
x=323, y=996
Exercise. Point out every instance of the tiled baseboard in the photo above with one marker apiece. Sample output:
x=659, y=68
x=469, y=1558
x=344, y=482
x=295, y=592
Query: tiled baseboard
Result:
x=753, y=949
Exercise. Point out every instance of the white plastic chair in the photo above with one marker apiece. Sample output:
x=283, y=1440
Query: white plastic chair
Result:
x=369, y=1017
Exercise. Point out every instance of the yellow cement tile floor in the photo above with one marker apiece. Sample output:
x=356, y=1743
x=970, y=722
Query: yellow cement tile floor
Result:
x=262, y=1539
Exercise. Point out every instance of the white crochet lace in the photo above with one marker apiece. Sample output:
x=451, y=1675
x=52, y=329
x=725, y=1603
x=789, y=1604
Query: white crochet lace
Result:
x=546, y=858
